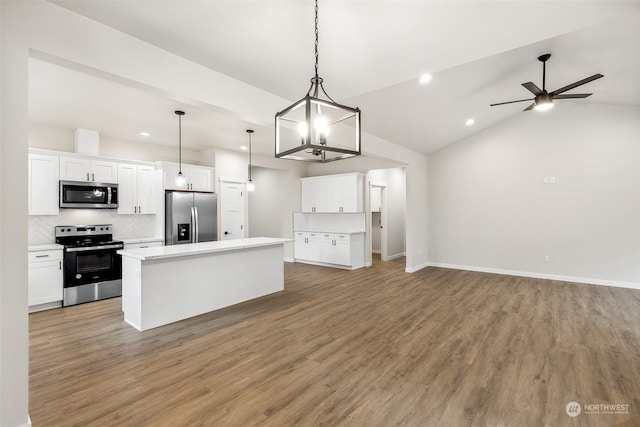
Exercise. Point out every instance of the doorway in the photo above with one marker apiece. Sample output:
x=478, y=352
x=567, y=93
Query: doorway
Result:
x=378, y=216
x=232, y=210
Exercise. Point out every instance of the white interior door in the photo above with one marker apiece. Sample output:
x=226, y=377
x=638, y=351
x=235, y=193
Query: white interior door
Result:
x=232, y=211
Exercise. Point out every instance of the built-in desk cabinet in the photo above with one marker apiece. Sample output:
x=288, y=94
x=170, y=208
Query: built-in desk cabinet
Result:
x=341, y=193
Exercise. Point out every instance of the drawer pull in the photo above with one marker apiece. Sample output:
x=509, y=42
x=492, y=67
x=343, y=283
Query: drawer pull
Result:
x=42, y=256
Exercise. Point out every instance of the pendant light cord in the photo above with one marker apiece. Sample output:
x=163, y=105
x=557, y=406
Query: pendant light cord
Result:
x=180, y=143
x=250, y=132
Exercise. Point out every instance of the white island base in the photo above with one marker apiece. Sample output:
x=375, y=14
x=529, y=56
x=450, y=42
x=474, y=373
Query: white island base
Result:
x=161, y=285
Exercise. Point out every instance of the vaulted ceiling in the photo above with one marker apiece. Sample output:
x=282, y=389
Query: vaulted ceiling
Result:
x=372, y=54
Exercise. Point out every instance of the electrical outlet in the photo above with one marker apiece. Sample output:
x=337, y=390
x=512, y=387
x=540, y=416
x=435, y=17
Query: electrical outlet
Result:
x=547, y=258
x=545, y=179
x=552, y=180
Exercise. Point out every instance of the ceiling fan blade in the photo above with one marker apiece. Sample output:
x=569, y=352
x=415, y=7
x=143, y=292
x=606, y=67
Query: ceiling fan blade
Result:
x=573, y=95
x=532, y=87
x=511, y=102
x=576, y=84
x=530, y=107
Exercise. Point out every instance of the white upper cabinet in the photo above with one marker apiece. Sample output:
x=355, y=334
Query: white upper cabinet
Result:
x=43, y=184
x=333, y=193
x=314, y=195
x=198, y=178
x=80, y=169
x=137, y=189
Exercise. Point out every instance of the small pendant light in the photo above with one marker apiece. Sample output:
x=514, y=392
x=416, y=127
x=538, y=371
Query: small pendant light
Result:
x=250, y=185
x=180, y=179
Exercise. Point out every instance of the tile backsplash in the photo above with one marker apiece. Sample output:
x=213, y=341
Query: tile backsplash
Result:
x=41, y=227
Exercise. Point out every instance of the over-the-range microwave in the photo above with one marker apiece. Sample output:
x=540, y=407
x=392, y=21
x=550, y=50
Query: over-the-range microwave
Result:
x=88, y=195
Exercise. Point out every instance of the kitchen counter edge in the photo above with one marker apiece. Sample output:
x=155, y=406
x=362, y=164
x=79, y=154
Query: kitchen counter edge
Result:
x=175, y=251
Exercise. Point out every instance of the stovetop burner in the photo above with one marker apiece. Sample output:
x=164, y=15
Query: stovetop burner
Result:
x=85, y=235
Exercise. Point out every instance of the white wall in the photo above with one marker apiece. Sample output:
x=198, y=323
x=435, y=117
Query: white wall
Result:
x=489, y=206
x=272, y=204
x=14, y=324
x=52, y=138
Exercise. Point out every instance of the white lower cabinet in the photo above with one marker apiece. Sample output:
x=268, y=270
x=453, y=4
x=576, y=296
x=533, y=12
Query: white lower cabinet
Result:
x=45, y=277
x=335, y=249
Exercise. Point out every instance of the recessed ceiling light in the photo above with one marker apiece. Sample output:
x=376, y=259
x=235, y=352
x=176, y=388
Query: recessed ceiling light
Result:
x=425, y=78
x=469, y=122
x=243, y=147
x=145, y=134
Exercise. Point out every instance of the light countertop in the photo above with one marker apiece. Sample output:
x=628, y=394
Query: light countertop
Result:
x=310, y=230
x=46, y=247
x=141, y=240
x=162, y=252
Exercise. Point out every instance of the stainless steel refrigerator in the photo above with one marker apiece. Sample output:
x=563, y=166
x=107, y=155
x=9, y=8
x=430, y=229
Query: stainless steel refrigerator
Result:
x=190, y=217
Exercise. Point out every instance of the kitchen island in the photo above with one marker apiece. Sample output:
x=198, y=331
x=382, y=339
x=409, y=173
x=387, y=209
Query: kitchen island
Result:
x=162, y=285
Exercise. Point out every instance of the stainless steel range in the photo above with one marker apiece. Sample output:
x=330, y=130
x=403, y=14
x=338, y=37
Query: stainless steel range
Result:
x=92, y=268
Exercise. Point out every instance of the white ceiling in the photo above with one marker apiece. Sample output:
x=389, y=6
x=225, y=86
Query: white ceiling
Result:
x=371, y=55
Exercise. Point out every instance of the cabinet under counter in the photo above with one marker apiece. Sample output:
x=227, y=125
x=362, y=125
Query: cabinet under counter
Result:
x=330, y=248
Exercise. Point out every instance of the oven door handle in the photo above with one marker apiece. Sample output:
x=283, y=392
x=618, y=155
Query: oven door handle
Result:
x=93, y=248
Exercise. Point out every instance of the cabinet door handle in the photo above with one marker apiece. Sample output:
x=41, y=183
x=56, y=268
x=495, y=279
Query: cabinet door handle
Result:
x=60, y=265
x=139, y=209
x=88, y=176
x=135, y=209
x=93, y=177
x=42, y=256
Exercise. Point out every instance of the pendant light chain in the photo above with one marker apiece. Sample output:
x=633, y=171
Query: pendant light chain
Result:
x=316, y=46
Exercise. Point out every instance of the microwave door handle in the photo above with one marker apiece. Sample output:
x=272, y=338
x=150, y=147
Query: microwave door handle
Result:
x=109, y=195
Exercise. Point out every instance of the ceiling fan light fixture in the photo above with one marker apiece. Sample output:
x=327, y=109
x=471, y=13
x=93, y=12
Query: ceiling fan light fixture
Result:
x=543, y=106
x=316, y=129
x=544, y=102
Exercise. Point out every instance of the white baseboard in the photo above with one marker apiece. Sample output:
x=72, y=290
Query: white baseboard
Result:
x=395, y=256
x=562, y=278
x=417, y=267
x=289, y=260
x=376, y=251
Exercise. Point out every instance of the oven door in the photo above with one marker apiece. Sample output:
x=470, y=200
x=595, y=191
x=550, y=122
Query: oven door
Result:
x=83, y=265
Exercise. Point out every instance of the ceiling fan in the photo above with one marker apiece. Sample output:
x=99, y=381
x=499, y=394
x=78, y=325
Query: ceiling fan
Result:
x=544, y=100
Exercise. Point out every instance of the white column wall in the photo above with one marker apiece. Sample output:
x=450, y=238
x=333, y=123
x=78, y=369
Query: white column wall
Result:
x=14, y=352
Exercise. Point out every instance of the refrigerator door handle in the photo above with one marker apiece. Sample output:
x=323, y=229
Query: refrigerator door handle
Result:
x=193, y=225
x=197, y=232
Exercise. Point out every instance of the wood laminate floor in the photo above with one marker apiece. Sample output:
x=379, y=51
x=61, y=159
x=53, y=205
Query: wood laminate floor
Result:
x=371, y=347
